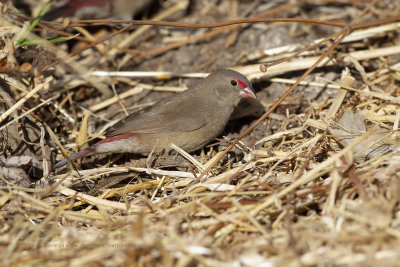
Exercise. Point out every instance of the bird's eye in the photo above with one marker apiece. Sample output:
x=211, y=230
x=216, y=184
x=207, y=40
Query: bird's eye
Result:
x=234, y=83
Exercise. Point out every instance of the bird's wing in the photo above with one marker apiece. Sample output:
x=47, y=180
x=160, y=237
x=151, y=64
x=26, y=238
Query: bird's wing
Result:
x=168, y=116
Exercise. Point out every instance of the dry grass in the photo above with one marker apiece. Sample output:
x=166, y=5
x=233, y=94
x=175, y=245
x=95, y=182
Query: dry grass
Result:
x=316, y=183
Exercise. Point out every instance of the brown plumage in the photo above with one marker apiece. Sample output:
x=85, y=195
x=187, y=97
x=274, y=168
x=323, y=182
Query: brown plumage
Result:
x=189, y=119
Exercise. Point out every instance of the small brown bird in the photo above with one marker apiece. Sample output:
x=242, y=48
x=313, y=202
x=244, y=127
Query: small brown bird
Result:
x=189, y=119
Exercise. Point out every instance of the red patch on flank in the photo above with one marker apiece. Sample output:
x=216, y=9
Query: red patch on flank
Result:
x=78, y=4
x=115, y=138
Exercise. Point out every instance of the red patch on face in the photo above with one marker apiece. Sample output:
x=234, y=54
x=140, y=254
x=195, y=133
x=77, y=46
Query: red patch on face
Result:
x=241, y=83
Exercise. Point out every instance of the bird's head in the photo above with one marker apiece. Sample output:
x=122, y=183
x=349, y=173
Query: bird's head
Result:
x=244, y=86
x=231, y=84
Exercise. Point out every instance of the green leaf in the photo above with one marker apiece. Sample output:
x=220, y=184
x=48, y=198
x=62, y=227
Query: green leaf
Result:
x=34, y=23
x=43, y=41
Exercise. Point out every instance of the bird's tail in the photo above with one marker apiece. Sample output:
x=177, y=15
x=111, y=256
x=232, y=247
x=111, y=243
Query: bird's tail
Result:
x=98, y=146
x=76, y=156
